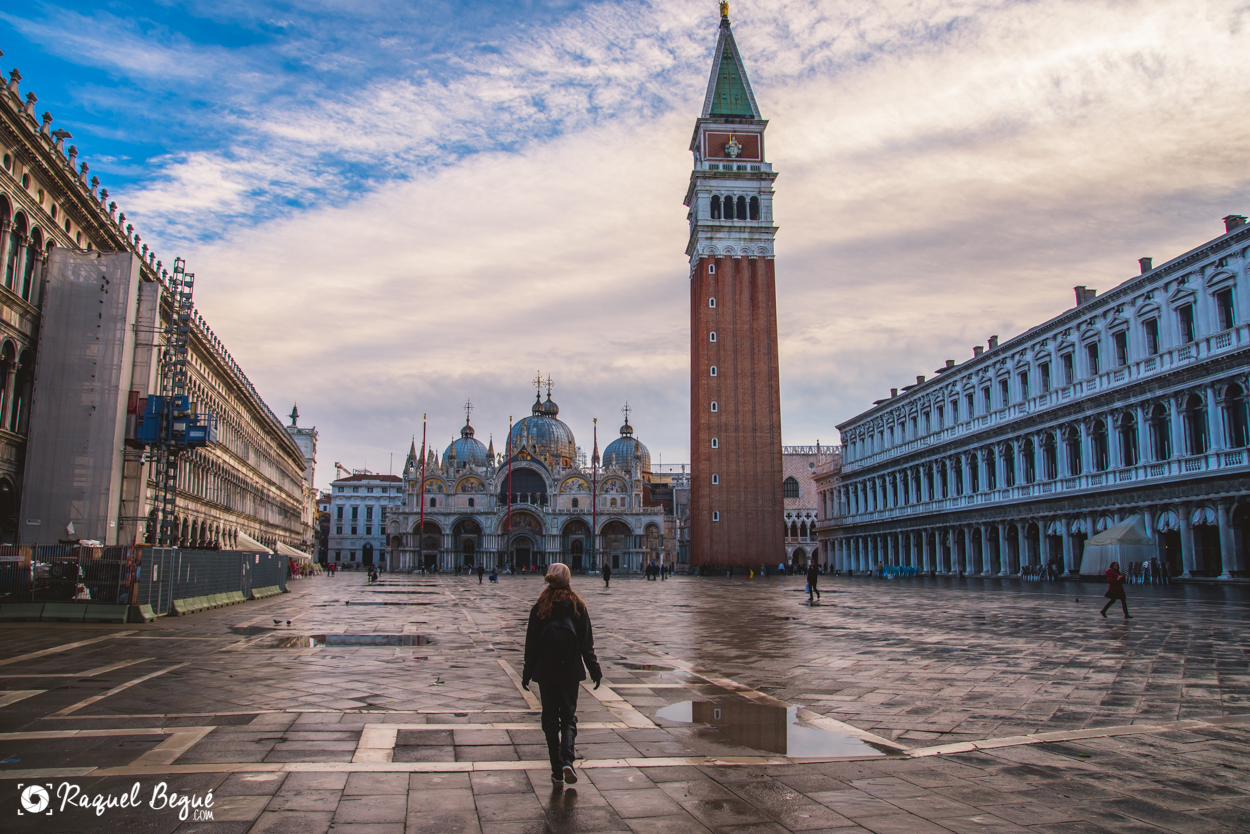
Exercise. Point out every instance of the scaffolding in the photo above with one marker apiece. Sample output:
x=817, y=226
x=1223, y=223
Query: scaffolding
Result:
x=174, y=392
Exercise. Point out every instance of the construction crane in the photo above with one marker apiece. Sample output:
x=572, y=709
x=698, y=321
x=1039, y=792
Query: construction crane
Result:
x=339, y=469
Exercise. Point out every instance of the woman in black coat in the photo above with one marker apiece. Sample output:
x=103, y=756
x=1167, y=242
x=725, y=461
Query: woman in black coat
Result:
x=559, y=649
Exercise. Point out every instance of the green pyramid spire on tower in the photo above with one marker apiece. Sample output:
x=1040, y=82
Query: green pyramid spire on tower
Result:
x=729, y=91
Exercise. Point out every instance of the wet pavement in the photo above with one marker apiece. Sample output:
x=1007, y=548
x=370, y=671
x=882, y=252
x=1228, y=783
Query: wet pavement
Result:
x=910, y=705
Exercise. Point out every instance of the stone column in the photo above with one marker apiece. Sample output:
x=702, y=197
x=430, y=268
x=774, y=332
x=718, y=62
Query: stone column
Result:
x=1228, y=550
x=6, y=416
x=968, y=556
x=1187, y=541
x=1004, y=560
x=1176, y=427
x=19, y=265
x=1143, y=433
x=1215, y=428
x=1069, y=552
x=987, y=558
x=5, y=227
x=1022, y=554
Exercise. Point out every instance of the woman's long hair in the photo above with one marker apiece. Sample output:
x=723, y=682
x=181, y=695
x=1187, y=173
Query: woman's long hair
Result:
x=557, y=579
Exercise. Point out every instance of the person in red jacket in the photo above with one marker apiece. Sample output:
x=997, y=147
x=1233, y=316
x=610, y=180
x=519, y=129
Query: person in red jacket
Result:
x=1115, y=590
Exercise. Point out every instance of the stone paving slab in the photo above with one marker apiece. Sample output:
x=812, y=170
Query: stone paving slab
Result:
x=993, y=705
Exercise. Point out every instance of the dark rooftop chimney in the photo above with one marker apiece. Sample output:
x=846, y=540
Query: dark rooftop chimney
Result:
x=1147, y=264
x=1084, y=294
x=893, y=392
x=993, y=342
x=1234, y=221
x=977, y=351
x=919, y=378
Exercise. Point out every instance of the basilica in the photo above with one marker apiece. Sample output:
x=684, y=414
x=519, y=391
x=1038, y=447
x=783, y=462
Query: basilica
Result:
x=535, y=502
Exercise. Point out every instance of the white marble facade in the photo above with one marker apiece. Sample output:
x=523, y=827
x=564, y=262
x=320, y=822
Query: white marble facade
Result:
x=462, y=515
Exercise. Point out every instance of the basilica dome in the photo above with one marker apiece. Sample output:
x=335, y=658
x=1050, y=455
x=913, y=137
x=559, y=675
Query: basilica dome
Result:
x=466, y=450
x=543, y=433
x=622, y=451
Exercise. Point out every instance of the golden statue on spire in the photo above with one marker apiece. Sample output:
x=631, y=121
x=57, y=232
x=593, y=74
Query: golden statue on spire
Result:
x=724, y=8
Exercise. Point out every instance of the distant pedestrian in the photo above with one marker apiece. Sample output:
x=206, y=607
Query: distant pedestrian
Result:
x=481, y=571
x=559, y=649
x=813, y=576
x=607, y=575
x=1115, y=590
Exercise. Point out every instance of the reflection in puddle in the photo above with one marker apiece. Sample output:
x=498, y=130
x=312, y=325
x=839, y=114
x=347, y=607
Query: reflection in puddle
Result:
x=646, y=667
x=768, y=728
x=312, y=641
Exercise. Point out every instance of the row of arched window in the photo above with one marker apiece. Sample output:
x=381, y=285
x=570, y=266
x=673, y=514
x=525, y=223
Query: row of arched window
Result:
x=728, y=207
x=1079, y=452
x=22, y=253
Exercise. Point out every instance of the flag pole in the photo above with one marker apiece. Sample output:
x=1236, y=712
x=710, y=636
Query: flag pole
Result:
x=508, y=524
x=594, y=498
x=421, y=498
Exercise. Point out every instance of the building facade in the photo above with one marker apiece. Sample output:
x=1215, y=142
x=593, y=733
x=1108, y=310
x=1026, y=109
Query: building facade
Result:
x=800, y=493
x=735, y=394
x=251, y=481
x=535, y=503
x=360, y=506
x=1130, y=405
x=305, y=438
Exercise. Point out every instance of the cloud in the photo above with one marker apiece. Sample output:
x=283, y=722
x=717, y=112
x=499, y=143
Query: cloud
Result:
x=948, y=171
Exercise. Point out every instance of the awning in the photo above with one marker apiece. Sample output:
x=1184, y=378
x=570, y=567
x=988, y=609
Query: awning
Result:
x=290, y=552
x=1127, y=532
x=247, y=544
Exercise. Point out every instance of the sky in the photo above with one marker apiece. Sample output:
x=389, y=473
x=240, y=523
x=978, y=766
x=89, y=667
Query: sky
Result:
x=392, y=208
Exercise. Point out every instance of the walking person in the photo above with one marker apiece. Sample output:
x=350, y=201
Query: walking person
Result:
x=481, y=571
x=607, y=575
x=813, y=575
x=1115, y=590
x=559, y=649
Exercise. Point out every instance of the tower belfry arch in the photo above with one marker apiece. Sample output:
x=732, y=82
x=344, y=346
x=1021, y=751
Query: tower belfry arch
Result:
x=736, y=504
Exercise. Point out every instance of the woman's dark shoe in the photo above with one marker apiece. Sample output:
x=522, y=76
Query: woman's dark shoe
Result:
x=1128, y=616
x=557, y=780
x=570, y=778
x=1104, y=614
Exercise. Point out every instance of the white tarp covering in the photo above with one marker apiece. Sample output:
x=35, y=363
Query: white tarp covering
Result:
x=74, y=453
x=292, y=553
x=1125, y=542
x=247, y=544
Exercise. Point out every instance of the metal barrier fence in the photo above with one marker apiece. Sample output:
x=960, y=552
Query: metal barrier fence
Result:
x=131, y=575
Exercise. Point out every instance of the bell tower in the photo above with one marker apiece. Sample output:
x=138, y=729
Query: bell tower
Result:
x=736, y=506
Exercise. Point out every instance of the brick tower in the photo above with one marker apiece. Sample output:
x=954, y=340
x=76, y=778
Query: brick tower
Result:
x=736, y=507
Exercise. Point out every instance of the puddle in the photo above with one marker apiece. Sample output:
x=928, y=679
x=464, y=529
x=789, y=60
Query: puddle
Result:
x=767, y=728
x=646, y=667
x=349, y=602
x=312, y=641
x=250, y=631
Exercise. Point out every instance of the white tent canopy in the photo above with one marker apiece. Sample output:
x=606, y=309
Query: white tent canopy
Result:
x=1124, y=542
x=247, y=544
x=292, y=553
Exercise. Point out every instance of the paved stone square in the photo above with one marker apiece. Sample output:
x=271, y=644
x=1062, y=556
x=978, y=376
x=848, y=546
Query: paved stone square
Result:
x=911, y=705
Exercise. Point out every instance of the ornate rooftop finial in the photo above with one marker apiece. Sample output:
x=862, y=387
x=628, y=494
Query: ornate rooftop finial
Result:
x=548, y=386
x=724, y=9
x=626, y=410
x=538, y=382
x=294, y=415
x=468, y=410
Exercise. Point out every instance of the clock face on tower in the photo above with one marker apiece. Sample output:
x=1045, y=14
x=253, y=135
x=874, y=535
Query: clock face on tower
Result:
x=718, y=144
